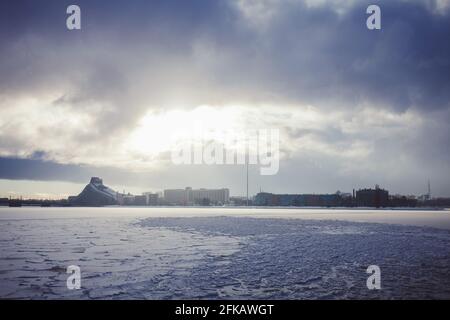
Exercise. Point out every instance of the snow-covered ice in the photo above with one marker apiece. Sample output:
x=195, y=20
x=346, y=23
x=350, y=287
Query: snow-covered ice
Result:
x=146, y=256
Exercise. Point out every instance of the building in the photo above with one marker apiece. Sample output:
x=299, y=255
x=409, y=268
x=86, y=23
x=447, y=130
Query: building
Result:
x=299, y=200
x=95, y=194
x=363, y=198
x=152, y=199
x=402, y=201
x=140, y=200
x=208, y=196
x=436, y=203
x=191, y=196
x=128, y=200
x=372, y=197
x=176, y=197
x=238, y=201
x=4, y=201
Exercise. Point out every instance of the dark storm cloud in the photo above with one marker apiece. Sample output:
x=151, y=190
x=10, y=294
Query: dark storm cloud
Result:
x=300, y=54
x=36, y=169
x=313, y=55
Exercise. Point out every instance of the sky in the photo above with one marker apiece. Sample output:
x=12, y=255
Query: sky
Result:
x=354, y=107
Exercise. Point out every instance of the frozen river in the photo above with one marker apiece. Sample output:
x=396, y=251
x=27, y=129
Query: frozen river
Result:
x=223, y=253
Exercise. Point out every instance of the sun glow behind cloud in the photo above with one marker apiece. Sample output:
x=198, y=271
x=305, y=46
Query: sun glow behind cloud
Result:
x=55, y=130
x=160, y=132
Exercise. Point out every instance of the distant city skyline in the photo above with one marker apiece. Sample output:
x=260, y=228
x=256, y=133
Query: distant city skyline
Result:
x=354, y=107
x=96, y=194
x=76, y=188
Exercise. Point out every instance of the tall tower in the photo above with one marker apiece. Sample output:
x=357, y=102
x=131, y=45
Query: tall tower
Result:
x=247, y=182
x=429, y=189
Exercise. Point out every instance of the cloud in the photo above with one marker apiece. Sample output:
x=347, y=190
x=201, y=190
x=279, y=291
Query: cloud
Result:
x=344, y=96
x=208, y=51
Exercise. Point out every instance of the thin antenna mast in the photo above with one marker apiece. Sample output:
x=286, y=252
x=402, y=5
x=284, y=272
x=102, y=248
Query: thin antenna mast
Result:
x=247, y=182
x=429, y=189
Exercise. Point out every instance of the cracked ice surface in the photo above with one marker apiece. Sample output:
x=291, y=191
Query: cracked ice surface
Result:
x=220, y=258
x=306, y=259
x=117, y=257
